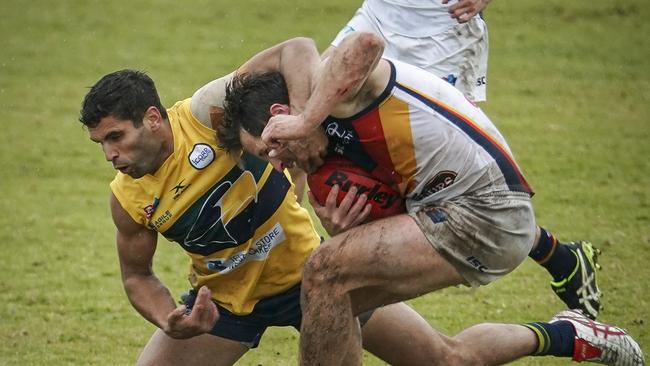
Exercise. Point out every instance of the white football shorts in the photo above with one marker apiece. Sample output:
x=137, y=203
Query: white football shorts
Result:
x=484, y=235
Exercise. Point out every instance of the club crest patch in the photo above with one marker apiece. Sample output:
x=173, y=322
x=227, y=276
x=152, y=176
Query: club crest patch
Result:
x=441, y=181
x=201, y=156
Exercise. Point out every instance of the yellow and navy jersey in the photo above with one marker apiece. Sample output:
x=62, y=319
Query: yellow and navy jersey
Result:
x=238, y=220
x=422, y=136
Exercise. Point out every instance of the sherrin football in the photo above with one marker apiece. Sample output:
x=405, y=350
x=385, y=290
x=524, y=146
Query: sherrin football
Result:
x=385, y=201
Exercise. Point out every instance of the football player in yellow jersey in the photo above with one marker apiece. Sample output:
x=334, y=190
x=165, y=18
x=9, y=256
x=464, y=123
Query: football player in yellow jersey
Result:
x=235, y=216
x=475, y=229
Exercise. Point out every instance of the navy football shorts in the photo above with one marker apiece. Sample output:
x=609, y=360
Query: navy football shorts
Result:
x=280, y=310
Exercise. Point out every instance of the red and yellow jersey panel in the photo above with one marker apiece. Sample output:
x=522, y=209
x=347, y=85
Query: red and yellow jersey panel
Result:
x=239, y=221
x=422, y=136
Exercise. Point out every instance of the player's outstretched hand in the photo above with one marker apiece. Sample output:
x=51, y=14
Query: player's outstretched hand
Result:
x=464, y=10
x=182, y=324
x=351, y=212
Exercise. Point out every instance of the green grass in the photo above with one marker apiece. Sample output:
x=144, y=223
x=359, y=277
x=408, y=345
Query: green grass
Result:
x=569, y=87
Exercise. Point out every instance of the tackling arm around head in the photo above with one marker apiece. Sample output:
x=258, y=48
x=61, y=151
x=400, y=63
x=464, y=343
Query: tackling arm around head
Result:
x=338, y=79
x=296, y=59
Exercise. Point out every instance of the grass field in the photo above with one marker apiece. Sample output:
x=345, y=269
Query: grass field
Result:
x=569, y=86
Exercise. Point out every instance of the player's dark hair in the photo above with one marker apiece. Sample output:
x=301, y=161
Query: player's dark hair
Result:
x=124, y=94
x=249, y=97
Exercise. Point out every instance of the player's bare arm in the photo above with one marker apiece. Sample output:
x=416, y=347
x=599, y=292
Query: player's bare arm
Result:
x=296, y=59
x=136, y=246
x=309, y=151
x=209, y=96
x=374, y=84
x=338, y=80
x=293, y=58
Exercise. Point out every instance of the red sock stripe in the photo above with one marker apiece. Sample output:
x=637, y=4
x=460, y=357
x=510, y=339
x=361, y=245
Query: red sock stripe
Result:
x=550, y=253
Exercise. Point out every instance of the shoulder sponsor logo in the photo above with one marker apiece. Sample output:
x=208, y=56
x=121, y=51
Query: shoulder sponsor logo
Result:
x=441, y=181
x=201, y=156
x=179, y=188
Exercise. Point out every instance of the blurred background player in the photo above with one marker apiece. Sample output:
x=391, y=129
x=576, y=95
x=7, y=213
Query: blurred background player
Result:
x=447, y=38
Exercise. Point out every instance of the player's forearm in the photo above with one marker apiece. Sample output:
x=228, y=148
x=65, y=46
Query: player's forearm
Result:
x=342, y=75
x=296, y=59
x=299, y=60
x=150, y=298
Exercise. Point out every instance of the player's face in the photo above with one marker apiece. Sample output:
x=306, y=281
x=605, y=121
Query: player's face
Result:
x=255, y=146
x=132, y=150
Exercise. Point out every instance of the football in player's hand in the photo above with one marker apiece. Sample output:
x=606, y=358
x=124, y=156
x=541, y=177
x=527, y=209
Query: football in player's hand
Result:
x=385, y=201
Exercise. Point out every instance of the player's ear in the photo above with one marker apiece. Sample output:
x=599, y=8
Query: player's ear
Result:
x=278, y=108
x=152, y=117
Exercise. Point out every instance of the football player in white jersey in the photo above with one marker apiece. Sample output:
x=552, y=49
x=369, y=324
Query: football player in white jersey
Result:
x=450, y=40
x=471, y=232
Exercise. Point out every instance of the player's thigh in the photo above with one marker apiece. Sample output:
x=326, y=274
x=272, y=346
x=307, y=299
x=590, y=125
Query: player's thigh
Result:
x=205, y=349
x=378, y=263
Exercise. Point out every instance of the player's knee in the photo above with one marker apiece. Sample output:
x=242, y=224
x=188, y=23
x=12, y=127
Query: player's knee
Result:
x=319, y=272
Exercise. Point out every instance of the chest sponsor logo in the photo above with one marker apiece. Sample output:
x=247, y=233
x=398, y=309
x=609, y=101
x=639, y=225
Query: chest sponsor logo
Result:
x=258, y=251
x=201, y=156
x=340, y=135
x=160, y=220
x=441, y=181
